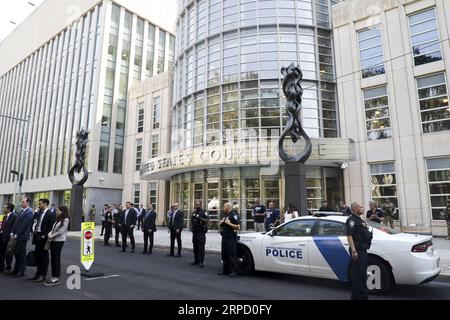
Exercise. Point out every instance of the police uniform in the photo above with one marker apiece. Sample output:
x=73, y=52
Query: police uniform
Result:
x=199, y=229
x=108, y=226
x=229, y=245
x=357, y=228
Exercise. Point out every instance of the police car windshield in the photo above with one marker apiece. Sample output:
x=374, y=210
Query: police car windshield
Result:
x=382, y=227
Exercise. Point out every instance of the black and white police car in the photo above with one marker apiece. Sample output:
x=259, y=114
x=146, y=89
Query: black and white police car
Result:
x=316, y=246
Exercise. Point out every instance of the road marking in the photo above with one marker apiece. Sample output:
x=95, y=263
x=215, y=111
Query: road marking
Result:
x=107, y=277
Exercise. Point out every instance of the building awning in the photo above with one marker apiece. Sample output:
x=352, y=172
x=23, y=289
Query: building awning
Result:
x=332, y=152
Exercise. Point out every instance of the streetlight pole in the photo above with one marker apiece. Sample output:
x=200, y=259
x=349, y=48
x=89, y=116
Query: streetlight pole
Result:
x=23, y=149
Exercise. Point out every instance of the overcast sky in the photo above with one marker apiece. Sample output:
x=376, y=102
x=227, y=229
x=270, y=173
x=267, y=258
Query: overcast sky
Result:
x=16, y=11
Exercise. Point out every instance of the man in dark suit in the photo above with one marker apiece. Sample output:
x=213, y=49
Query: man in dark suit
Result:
x=44, y=223
x=127, y=223
x=116, y=223
x=5, y=236
x=21, y=233
x=141, y=215
x=176, y=224
x=149, y=228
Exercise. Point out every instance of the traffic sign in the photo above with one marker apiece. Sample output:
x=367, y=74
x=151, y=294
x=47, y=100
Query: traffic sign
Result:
x=87, y=244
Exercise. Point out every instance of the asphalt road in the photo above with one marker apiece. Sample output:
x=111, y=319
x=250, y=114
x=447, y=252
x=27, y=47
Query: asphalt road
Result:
x=136, y=276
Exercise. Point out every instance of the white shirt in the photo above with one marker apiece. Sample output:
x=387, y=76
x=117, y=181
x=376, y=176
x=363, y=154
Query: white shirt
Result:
x=38, y=228
x=289, y=216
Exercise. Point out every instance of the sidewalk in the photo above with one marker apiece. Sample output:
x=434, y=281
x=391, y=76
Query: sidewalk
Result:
x=213, y=242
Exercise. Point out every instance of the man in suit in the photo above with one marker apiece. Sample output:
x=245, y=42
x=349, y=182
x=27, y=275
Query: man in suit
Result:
x=141, y=215
x=44, y=224
x=5, y=236
x=127, y=223
x=116, y=222
x=21, y=233
x=149, y=229
x=176, y=224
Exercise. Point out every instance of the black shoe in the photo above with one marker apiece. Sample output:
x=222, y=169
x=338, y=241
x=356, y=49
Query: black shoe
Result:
x=170, y=255
x=178, y=256
x=143, y=252
x=36, y=276
x=2, y=270
x=233, y=275
x=223, y=273
x=149, y=253
x=18, y=275
x=201, y=265
x=122, y=250
x=194, y=263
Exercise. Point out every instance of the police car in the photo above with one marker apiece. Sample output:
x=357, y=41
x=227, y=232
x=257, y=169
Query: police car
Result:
x=317, y=246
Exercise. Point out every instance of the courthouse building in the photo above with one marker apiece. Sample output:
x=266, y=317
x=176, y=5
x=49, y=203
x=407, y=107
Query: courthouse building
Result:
x=228, y=107
x=69, y=66
x=392, y=64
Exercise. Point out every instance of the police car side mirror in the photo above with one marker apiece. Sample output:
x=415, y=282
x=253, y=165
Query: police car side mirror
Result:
x=273, y=233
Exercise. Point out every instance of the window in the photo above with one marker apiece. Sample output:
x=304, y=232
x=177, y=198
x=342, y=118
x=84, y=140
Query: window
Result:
x=383, y=183
x=371, y=52
x=138, y=154
x=153, y=194
x=136, y=194
x=161, y=51
x=331, y=228
x=156, y=112
x=438, y=171
x=150, y=51
x=378, y=121
x=425, y=39
x=140, y=121
x=297, y=228
x=433, y=101
x=155, y=146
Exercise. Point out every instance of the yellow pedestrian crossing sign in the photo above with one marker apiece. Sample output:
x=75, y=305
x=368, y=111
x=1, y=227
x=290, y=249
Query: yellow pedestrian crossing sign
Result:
x=87, y=244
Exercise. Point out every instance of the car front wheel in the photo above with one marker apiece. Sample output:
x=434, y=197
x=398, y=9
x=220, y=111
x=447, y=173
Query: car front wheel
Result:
x=244, y=260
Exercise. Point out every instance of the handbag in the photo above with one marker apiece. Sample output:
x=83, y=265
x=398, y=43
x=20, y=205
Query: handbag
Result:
x=47, y=245
x=11, y=248
x=31, y=259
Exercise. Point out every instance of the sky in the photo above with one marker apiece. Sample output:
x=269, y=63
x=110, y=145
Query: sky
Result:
x=16, y=11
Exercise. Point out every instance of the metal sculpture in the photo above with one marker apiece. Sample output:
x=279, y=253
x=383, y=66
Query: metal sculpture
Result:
x=80, y=158
x=295, y=170
x=76, y=200
x=293, y=91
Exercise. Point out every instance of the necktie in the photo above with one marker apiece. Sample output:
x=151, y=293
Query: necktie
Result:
x=171, y=219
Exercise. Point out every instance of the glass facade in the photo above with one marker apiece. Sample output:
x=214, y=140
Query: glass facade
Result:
x=240, y=186
x=439, y=185
x=227, y=85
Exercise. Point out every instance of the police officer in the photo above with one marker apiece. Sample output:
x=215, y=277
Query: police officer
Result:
x=199, y=223
x=116, y=221
x=230, y=225
x=358, y=244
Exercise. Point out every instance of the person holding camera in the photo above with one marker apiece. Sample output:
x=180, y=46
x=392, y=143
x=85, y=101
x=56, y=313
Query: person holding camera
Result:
x=199, y=224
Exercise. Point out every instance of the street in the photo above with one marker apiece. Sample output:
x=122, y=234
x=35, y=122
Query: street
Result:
x=137, y=277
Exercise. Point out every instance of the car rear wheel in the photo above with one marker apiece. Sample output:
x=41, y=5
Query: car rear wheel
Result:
x=245, y=260
x=379, y=277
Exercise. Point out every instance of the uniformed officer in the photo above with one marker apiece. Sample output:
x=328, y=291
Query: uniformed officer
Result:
x=116, y=221
x=230, y=225
x=108, y=224
x=359, y=242
x=199, y=223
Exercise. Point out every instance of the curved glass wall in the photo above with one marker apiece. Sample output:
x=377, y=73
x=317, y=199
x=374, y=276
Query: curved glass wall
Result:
x=227, y=69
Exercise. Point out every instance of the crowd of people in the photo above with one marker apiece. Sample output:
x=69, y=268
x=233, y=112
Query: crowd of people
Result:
x=46, y=226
